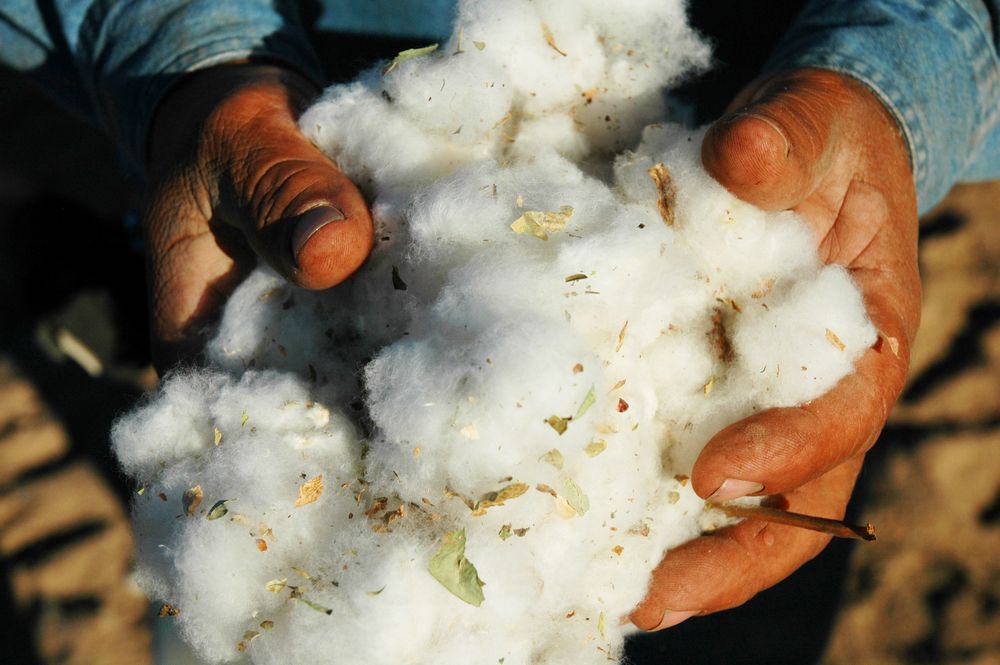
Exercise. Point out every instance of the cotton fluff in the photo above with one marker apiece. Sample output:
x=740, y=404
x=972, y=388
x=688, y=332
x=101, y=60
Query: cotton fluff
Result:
x=531, y=359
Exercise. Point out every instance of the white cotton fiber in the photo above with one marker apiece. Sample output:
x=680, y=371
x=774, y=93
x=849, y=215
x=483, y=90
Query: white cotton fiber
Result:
x=560, y=310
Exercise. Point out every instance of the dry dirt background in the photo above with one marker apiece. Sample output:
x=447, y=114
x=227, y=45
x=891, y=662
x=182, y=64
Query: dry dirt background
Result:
x=927, y=592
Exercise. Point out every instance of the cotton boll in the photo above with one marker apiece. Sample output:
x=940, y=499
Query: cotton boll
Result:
x=612, y=118
x=545, y=75
x=485, y=408
x=374, y=145
x=431, y=91
x=801, y=344
x=561, y=133
x=472, y=211
x=683, y=366
x=174, y=425
x=541, y=343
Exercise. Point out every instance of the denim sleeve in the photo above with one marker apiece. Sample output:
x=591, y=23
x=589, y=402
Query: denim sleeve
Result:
x=933, y=63
x=113, y=60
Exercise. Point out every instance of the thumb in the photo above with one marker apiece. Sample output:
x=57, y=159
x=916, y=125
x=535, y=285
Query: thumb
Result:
x=774, y=150
x=297, y=210
x=302, y=214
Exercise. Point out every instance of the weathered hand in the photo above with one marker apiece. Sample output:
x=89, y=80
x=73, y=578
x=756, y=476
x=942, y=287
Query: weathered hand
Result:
x=230, y=179
x=822, y=144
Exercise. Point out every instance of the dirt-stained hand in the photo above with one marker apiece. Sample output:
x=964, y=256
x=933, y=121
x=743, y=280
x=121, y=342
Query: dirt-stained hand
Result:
x=230, y=179
x=822, y=144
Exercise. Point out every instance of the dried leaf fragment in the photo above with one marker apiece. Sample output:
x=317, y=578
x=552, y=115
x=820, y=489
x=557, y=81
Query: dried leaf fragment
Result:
x=248, y=637
x=558, y=423
x=479, y=45
x=505, y=532
x=311, y=490
x=595, y=447
x=276, y=585
x=218, y=509
x=546, y=489
x=540, y=224
x=621, y=337
x=551, y=40
x=666, y=193
x=218, y=436
x=833, y=339
x=244, y=418
x=402, y=56
x=600, y=625
x=719, y=338
x=491, y=499
x=577, y=368
x=191, y=499
x=168, y=610
x=575, y=497
x=575, y=277
x=588, y=401
x=456, y=573
x=553, y=457
x=316, y=606
x=397, y=281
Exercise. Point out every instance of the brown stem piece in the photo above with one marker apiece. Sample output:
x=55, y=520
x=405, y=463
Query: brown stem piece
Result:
x=822, y=524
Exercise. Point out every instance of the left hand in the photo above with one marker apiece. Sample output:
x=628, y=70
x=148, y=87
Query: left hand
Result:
x=822, y=144
x=232, y=179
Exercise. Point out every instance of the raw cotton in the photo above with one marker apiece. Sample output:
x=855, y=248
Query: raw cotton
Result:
x=477, y=448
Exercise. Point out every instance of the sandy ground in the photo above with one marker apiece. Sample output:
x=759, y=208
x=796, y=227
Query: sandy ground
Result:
x=927, y=592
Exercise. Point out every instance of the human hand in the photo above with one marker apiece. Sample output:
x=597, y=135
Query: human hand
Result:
x=822, y=144
x=230, y=179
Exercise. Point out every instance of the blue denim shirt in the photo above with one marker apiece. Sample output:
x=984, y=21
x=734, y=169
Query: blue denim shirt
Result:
x=934, y=63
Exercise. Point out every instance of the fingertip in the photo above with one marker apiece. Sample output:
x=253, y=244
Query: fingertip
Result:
x=765, y=452
x=330, y=245
x=647, y=617
x=748, y=153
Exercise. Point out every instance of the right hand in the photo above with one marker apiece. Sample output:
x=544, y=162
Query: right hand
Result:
x=822, y=144
x=231, y=179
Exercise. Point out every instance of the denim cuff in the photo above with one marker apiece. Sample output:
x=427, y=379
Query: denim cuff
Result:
x=133, y=52
x=932, y=63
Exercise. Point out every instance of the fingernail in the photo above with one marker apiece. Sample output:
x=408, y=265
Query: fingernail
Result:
x=671, y=618
x=309, y=223
x=732, y=488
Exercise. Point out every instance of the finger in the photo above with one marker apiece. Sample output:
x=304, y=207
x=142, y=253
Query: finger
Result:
x=780, y=449
x=774, y=151
x=725, y=569
x=298, y=210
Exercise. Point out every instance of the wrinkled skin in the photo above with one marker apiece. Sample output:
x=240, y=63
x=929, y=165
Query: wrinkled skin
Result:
x=229, y=173
x=822, y=144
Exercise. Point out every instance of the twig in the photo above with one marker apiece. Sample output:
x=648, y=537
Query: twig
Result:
x=822, y=524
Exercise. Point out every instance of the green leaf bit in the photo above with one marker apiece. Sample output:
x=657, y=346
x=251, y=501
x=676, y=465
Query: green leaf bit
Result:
x=456, y=573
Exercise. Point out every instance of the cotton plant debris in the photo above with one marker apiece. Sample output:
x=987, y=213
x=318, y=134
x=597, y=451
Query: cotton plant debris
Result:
x=519, y=204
